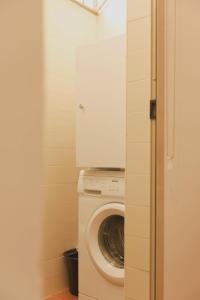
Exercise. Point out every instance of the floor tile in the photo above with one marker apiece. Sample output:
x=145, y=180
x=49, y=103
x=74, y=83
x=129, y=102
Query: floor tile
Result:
x=65, y=296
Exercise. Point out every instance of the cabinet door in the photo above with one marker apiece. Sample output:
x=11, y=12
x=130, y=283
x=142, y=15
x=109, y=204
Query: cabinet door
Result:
x=101, y=100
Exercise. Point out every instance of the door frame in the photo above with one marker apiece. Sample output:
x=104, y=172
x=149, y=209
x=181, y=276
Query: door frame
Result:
x=160, y=150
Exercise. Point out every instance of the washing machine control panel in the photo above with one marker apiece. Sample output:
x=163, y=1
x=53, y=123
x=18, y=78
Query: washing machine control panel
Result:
x=102, y=186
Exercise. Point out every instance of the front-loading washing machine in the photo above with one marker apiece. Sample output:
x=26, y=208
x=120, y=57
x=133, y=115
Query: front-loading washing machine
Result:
x=101, y=235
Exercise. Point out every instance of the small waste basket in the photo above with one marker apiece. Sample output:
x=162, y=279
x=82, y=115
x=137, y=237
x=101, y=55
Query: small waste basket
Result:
x=71, y=261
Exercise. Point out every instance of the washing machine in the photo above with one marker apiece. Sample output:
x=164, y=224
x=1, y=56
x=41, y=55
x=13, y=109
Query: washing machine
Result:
x=101, y=235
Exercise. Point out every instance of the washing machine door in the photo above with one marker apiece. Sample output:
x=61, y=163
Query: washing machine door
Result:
x=105, y=241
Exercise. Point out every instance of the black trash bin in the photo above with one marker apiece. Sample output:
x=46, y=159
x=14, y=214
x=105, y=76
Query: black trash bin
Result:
x=71, y=261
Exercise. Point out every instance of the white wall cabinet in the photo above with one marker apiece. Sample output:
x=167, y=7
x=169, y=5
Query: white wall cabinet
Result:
x=101, y=104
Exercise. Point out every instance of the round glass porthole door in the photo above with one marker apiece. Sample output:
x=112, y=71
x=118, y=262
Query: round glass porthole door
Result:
x=105, y=241
x=111, y=240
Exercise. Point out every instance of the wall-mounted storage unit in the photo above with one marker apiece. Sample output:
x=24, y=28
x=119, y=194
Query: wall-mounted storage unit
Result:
x=101, y=104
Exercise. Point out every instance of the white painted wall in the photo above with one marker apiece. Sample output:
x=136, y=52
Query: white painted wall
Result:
x=112, y=19
x=21, y=94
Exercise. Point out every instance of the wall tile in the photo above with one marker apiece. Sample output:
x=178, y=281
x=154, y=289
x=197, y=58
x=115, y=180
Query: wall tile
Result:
x=58, y=237
x=138, y=9
x=58, y=108
x=62, y=120
x=138, y=96
x=138, y=221
x=139, y=37
x=64, y=192
x=60, y=211
x=138, y=253
x=61, y=174
x=54, y=267
x=60, y=137
x=137, y=227
x=59, y=283
x=138, y=65
x=138, y=157
x=138, y=190
x=137, y=284
x=60, y=156
x=47, y=287
x=140, y=127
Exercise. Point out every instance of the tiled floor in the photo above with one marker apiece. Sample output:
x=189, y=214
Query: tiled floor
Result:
x=63, y=296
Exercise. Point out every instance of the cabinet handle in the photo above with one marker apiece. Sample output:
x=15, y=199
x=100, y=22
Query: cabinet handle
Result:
x=81, y=106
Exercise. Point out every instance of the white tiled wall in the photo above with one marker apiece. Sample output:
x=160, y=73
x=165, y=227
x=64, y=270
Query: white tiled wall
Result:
x=66, y=27
x=137, y=281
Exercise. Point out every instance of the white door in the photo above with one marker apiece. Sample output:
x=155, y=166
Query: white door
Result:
x=182, y=161
x=101, y=101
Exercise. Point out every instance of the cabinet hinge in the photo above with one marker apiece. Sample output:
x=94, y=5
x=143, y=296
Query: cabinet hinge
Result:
x=153, y=109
